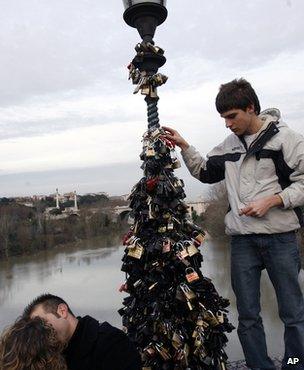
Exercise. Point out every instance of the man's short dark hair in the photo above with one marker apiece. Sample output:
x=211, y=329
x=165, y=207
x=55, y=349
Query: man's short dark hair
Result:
x=237, y=94
x=49, y=303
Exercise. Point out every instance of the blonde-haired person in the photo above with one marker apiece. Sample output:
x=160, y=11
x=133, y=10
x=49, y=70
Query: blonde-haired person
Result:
x=31, y=344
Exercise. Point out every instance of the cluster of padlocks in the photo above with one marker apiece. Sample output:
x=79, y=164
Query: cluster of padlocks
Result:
x=173, y=312
x=146, y=83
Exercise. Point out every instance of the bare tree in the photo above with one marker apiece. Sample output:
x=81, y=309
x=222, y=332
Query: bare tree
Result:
x=216, y=211
x=6, y=225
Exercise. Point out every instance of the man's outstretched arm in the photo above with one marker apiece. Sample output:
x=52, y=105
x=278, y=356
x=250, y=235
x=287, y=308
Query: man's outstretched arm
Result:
x=209, y=170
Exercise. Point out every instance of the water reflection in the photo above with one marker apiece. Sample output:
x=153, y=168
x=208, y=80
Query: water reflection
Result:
x=88, y=275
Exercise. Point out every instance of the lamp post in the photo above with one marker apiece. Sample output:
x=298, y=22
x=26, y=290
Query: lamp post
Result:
x=173, y=313
x=146, y=16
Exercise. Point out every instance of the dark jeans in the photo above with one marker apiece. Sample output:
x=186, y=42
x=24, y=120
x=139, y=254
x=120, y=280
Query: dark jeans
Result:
x=279, y=254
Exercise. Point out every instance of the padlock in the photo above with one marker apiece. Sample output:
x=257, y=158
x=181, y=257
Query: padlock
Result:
x=181, y=251
x=176, y=220
x=151, y=183
x=179, y=183
x=166, y=246
x=191, y=274
x=189, y=305
x=191, y=249
x=211, y=318
x=220, y=317
x=189, y=294
x=152, y=286
x=222, y=365
x=200, y=237
x=126, y=237
x=166, y=215
x=201, y=323
x=162, y=229
x=160, y=79
x=150, y=350
x=198, y=341
x=150, y=152
x=131, y=243
x=177, y=340
x=170, y=226
x=137, y=283
x=145, y=89
x=176, y=163
x=162, y=351
x=135, y=228
x=136, y=252
x=123, y=288
x=180, y=295
x=155, y=133
x=196, y=243
x=155, y=49
x=130, y=240
x=151, y=213
x=140, y=84
x=168, y=166
x=153, y=92
x=202, y=351
x=186, y=351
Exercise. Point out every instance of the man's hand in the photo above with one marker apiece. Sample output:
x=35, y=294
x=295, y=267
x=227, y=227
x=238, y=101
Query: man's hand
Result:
x=174, y=136
x=260, y=207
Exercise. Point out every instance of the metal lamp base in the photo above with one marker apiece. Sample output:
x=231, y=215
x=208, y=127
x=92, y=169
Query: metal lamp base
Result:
x=145, y=17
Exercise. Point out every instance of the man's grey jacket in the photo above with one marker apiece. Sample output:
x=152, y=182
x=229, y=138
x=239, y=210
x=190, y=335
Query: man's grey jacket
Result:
x=273, y=164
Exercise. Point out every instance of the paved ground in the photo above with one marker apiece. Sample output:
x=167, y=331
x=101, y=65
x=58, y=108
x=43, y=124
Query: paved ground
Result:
x=240, y=365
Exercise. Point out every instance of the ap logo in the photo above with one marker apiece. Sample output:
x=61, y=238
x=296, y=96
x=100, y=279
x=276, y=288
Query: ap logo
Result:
x=292, y=360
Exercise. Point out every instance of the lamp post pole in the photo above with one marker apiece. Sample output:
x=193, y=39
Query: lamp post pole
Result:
x=173, y=313
x=146, y=16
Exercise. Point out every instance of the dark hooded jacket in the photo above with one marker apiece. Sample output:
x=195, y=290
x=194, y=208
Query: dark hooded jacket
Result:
x=96, y=346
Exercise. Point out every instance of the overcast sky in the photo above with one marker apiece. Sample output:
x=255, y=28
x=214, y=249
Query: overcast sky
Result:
x=68, y=118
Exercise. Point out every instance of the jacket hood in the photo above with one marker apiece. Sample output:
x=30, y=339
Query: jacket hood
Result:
x=272, y=115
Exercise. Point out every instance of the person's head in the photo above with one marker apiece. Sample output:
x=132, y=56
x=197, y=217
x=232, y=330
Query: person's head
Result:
x=56, y=312
x=239, y=105
x=31, y=344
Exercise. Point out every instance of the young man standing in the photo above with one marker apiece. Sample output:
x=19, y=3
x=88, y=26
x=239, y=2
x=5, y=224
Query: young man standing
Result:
x=262, y=162
x=89, y=344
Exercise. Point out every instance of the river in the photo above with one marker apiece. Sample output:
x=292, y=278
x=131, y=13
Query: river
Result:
x=87, y=276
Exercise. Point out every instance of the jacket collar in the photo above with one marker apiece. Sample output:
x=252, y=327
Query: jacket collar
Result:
x=84, y=337
x=270, y=118
x=259, y=143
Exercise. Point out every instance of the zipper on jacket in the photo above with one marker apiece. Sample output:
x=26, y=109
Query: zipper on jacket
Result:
x=271, y=128
x=259, y=135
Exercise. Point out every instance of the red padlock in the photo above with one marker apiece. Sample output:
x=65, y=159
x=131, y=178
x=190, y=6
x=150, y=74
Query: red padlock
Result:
x=191, y=275
x=166, y=245
x=123, y=288
x=126, y=237
x=151, y=183
x=169, y=143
